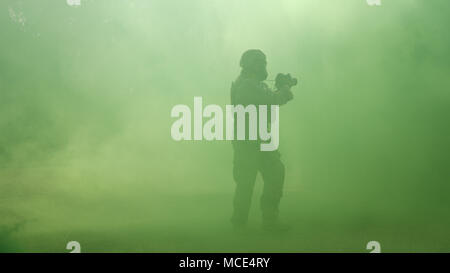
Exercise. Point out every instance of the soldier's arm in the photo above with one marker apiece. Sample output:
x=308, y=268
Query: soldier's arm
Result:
x=277, y=97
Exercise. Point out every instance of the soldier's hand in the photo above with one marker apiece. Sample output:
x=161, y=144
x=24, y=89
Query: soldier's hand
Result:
x=283, y=81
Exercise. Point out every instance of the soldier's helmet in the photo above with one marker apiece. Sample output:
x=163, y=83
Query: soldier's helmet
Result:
x=253, y=59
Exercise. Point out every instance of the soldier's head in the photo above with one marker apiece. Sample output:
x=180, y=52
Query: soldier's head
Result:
x=253, y=63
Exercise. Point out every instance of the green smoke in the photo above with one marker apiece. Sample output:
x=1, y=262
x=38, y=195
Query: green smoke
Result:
x=85, y=146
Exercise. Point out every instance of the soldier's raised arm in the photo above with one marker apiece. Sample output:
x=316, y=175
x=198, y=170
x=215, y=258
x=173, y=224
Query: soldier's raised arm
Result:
x=260, y=94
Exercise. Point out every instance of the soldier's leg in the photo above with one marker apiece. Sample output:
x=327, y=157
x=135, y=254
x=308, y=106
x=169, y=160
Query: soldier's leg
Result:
x=272, y=170
x=244, y=173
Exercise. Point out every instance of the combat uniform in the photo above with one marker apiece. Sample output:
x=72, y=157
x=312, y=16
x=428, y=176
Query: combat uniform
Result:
x=248, y=159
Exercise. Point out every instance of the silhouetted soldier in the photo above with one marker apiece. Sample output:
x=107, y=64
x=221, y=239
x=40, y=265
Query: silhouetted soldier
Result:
x=249, y=88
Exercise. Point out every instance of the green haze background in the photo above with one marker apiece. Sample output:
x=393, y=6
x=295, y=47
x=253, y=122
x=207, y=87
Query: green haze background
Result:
x=85, y=146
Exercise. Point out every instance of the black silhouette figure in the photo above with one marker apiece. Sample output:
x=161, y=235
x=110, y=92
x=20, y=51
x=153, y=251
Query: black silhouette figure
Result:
x=249, y=88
